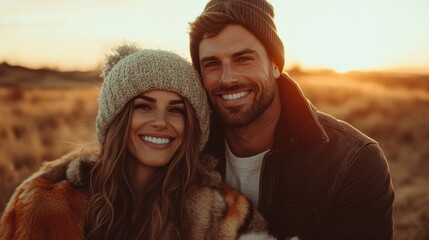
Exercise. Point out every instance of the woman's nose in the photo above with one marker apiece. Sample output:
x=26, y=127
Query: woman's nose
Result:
x=159, y=120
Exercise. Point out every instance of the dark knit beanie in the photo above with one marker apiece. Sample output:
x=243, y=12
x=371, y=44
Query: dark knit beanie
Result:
x=257, y=16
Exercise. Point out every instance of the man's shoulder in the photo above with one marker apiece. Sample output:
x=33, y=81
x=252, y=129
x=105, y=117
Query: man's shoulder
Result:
x=359, y=155
x=345, y=148
x=339, y=129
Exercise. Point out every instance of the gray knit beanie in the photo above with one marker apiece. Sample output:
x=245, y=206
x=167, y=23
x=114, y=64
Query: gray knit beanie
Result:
x=130, y=71
x=257, y=16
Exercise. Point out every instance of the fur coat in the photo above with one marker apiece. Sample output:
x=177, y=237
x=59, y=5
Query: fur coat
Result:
x=52, y=203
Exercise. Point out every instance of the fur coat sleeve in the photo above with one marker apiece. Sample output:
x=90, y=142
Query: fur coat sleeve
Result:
x=47, y=205
x=52, y=203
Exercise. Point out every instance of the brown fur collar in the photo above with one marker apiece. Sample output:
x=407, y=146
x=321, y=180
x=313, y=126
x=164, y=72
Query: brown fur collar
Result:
x=52, y=203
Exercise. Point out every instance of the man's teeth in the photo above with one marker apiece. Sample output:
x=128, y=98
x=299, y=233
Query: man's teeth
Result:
x=234, y=96
x=156, y=140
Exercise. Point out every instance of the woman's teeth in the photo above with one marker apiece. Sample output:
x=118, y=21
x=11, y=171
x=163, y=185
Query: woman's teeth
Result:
x=156, y=140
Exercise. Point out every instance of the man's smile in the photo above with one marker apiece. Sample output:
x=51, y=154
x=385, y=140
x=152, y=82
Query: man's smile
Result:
x=234, y=96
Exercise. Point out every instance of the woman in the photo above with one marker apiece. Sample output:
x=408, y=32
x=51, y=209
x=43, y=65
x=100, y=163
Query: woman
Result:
x=148, y=180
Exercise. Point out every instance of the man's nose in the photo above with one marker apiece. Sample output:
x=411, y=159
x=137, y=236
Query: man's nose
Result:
x=229, y=75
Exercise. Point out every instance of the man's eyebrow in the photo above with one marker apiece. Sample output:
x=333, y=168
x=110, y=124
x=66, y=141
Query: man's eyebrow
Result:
x=237, y=54
x=207, y=59
x=244, y=51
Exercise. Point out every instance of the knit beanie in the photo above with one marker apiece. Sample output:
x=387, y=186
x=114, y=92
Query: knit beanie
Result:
x=130, y=71
x=257, y=16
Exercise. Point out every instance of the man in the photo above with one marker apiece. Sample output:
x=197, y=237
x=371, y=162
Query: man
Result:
x=310, y=174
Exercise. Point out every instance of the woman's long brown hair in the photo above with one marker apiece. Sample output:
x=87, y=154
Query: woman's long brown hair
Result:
x=116, y=211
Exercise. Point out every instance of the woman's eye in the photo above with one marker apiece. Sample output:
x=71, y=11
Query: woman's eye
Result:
x=178, y=110
x=142, y=106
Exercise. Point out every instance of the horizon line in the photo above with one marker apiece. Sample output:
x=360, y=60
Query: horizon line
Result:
x=294, y=68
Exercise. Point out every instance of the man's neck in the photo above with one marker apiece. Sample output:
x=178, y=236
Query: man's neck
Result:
x=258, y=136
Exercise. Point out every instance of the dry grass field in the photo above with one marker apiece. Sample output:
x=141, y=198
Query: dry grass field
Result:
x=44, y=114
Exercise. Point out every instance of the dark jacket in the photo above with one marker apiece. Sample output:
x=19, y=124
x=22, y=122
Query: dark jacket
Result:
x=323, y=179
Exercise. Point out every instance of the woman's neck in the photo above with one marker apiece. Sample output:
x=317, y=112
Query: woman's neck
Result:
x=140, y=175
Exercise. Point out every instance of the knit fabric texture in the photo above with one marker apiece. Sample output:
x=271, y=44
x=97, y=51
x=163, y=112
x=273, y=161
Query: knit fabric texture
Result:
x=257, y=16
x=131, y=71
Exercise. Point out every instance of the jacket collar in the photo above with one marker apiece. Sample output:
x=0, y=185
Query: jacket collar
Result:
x=299, y=122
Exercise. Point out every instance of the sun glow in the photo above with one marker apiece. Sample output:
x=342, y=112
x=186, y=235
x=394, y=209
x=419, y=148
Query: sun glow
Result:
x=355, y=35
x=336, y=34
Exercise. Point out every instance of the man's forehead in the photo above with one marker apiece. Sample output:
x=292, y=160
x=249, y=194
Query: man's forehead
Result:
x=232, y=39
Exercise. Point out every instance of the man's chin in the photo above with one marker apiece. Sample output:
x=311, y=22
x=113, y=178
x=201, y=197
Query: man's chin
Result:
x=232, y=121
x=234, y=117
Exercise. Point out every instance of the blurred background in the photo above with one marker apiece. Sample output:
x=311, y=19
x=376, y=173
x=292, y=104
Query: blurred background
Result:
x=366, y=62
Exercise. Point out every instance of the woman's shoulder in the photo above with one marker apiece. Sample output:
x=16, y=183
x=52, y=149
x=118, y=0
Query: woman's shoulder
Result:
x=49, y=200
x=67, y=174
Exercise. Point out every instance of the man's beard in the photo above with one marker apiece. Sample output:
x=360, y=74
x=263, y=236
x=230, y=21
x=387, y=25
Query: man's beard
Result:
x=240, y=116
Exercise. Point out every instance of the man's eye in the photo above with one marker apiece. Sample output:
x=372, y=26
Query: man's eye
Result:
x=243, y=59
x=209, y=65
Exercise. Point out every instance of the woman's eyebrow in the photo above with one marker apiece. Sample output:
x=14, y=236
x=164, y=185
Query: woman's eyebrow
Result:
x=149, y=99
x=153, y=100
x=179, y=101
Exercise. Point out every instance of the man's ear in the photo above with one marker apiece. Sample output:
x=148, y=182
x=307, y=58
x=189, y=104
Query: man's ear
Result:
x=276, y=71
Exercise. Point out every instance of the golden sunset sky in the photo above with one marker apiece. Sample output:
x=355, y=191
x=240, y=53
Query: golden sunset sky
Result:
x=380, y=35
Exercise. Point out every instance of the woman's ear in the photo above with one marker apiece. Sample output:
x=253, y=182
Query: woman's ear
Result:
x=276, y=71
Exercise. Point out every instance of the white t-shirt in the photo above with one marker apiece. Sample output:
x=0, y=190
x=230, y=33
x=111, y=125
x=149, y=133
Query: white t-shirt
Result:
x=243, y=173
